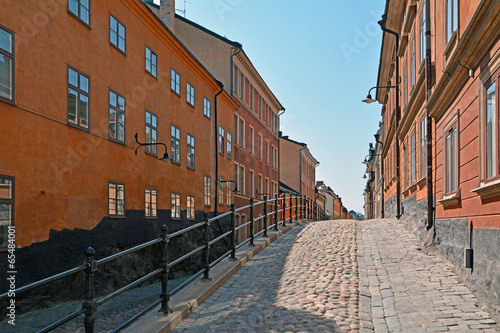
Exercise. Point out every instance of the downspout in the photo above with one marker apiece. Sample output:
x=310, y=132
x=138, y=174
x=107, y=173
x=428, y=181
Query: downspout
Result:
x=428, y=120
x=216, y=136
x=240, y=47
x=398, y=181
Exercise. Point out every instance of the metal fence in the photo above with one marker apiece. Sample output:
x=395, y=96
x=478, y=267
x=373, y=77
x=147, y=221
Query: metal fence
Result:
x=275, y=211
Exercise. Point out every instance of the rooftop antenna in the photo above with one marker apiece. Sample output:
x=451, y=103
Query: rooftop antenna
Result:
x=182, y=11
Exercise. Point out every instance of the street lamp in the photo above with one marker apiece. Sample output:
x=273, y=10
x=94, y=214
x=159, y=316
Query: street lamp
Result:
x=230, y=181
x=165, y=157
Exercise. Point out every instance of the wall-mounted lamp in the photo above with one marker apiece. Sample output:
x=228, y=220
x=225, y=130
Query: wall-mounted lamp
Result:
x=259, y=194
x=230, y=181
x=165, y=157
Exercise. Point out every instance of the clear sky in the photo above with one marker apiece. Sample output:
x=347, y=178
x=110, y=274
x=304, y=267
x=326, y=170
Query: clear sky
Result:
x=320, y=58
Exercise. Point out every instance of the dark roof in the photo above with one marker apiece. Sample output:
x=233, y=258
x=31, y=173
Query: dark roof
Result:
x=210, y=32
x=287, y=189
x=285, y=137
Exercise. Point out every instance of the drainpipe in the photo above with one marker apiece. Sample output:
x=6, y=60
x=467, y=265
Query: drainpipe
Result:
x=428, y=120
x=398, y=182
x=216, y=136
x=239, y=47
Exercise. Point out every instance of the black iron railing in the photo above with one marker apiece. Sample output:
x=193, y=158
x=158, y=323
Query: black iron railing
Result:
x=280, y=208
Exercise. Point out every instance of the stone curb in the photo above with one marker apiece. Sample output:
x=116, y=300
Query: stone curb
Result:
x=198, y=291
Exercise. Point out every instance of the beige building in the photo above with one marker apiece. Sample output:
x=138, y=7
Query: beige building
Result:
x=298, y=167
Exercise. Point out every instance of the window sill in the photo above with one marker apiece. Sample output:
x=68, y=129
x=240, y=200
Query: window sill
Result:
x=152, y=218
x=191, y=105
x=115, y=217
x=11, y=102
x=175, y=218
x=451, y=199
x=119, y=50
x=175, y=162
x=422, y=182
x=150, y=153
x=421, y=67
x=175, y=92
x=117, y=141
x=190, y=168
x=78, y=127
x=207, y=205
x=450, y=46
x=488, y=189
x=149, y=73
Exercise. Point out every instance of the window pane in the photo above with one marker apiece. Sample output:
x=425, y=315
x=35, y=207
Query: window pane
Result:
x=491, y=129
x=454, y=162
x=72, y=96
x=73, y=6
x=121, y=44
x=121, y=127
x=84, y=12
x=72, y=77
x=121, y=103
x=84, y=111
x=5, y=214
x=5, y=77
x=5, y=41
x=5, y=188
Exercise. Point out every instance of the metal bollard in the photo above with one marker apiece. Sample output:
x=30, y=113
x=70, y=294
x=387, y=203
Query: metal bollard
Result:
x=265, y=216
x=284, y=210
x=206, y=273
x=233, y=235
x=89, y=304
x=165, y=296
x=251, y=223
x=276, y=212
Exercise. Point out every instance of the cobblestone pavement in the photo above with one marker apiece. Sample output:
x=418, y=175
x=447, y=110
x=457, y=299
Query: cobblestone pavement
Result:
x=305, y=281
x=403, y=289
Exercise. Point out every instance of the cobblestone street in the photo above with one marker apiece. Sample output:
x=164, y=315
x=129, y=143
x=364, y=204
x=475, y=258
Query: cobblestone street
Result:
x=307, y=281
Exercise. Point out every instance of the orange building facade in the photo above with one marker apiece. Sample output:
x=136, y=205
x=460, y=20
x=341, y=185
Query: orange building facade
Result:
x=76, y=88
x=444, y=129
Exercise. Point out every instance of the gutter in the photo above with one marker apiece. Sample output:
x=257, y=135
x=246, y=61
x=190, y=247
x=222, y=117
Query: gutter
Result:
x=216, y=136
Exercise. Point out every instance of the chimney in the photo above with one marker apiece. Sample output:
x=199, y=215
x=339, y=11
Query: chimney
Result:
x=167, y=13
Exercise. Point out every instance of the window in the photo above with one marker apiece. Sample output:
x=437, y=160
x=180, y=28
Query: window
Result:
x=175, y=208
x=221, y=191
x=267, y=152
x=175, y=144
x=150, y=202
x=116, y=199
x=117, y=33
x=405, y=172
x=206, y=107
x=260, y=146
x=190, y=94
x=190, y=151
x=151, y=65
x=228, y=193
x=451, y=18
x=78, y=98
x=266, y=187
x=451, y=160
x=491, y=130
x=250, y=140
x=250, y=182
x=175, y=82
x=190, y=207
x=207, y=191
x=413, y=159
x=7, y=65
x=242, y=85
x=235, y=79
x=116, y=117
x=236, y=123
x=423, y=147
x=241, y=180
x=405, y=80
x=412, y=63
x=251, y=98
x=260, y=107
x=151, y=130
x=229, y=146
x=80, y=9
x=6, y=207
x=242, y=133
x=221, y=140
x=259, y=184
x=422, y=33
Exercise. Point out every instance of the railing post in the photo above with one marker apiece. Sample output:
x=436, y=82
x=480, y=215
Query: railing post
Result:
x=296, y=205
x=251, y=222
x=284, y=209
x=89, y=304
x=276, y=212
x=265, y=216
x=206, y=273
x=233, y=235
x=165, y=296
x=301, y=207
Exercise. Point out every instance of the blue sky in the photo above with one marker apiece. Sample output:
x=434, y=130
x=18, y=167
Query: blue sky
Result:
x=320, y=58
